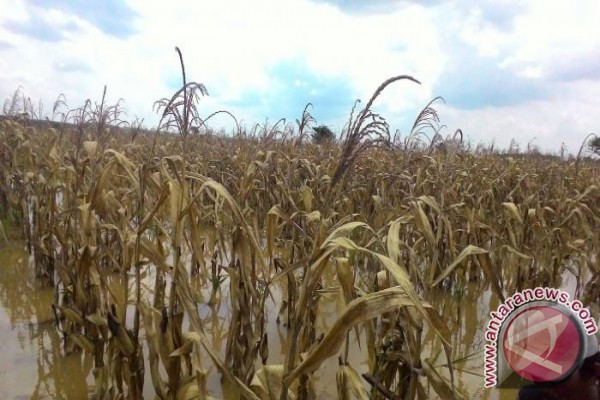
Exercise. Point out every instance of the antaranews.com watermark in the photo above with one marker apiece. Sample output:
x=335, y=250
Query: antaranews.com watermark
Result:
x=540, y=334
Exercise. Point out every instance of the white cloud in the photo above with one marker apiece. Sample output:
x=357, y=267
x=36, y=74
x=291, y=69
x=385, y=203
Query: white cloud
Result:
x=488, y=40
x=549, y=123
x=233, y=46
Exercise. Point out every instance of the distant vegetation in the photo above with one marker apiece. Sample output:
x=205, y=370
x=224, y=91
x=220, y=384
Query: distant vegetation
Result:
x=322, y=134
x=595, y=145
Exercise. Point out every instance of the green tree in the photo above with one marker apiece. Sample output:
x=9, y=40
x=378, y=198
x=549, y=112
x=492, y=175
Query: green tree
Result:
x=322, y=134
x=594, y=145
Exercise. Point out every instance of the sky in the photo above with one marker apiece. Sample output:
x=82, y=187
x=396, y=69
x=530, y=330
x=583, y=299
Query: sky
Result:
x=522, y=70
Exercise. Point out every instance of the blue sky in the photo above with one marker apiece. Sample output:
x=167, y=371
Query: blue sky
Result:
x=507, y=69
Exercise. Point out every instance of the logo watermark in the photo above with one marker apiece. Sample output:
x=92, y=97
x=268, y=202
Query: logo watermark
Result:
x=540, y=335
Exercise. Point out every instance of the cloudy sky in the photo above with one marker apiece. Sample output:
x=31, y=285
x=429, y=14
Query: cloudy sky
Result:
x=523, y=70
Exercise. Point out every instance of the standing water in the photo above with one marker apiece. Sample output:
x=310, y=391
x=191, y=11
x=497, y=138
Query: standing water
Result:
x=33, y=364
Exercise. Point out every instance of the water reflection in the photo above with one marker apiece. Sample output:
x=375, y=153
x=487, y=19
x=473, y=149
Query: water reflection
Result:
x=29, y=338
x=33, y=364
x=466, y=311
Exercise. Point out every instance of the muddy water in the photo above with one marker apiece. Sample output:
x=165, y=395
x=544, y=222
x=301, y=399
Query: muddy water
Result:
x=33, y=365
x=31, y=362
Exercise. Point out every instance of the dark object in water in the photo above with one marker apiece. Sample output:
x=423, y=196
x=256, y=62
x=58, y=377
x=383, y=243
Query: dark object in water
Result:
x=584, y=383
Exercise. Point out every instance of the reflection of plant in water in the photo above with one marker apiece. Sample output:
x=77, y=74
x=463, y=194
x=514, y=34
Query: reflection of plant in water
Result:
x=51, y=367
x=19, y=294
x=30, y=314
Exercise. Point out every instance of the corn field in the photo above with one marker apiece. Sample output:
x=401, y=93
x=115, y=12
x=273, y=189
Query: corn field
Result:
x=169, y=253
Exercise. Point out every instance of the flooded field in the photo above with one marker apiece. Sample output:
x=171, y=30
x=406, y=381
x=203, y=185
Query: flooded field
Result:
x=198, y=266
x=33, y=364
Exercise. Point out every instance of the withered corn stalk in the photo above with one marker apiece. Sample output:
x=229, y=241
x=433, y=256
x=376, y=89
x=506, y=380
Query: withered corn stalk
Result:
x=139, y=237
